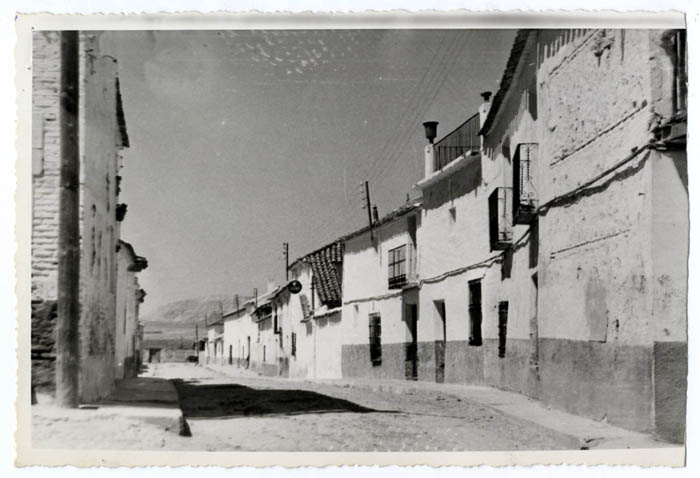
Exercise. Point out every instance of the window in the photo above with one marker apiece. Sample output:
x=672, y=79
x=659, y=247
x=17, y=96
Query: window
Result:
x=502, y=327
x=397, y=267
x=680, y=71
x=500, y=226
x=294, y=344
x=375, y=339
x=281, y=339
x=524, y=194
x=475, y=313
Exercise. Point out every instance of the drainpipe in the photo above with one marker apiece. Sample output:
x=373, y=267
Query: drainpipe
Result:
x=68, y=319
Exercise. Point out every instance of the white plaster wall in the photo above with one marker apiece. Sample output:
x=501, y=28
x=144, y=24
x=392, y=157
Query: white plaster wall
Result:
x=366, y=261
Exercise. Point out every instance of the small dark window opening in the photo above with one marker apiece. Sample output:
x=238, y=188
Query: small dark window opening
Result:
x=294, y=344
x=502, y=327
x=475, y=313
x=281, y=339
x=375, y=339
x=264, y=353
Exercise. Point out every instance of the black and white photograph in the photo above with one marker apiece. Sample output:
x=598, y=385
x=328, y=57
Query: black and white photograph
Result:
x=341, y=239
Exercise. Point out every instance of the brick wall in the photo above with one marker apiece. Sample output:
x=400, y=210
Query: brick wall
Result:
x=99, y=143
x=45, y=164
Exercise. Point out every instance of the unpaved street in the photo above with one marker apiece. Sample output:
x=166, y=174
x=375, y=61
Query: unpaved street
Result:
x=259, y=414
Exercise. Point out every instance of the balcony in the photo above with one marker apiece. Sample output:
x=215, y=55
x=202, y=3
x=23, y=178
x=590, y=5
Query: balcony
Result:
x=500, y=225
x=402, y=266
x=463, y=140
x=524, y=193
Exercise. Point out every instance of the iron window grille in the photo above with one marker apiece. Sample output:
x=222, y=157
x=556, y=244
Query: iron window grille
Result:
x=500, y=225
x=680, y=72
x=502, y=327
x=524, y=193
x=397, y=267
x=375, y=339
x=294, y=344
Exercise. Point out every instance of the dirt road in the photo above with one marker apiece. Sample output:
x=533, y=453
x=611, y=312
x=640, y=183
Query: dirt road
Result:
x=258, y=414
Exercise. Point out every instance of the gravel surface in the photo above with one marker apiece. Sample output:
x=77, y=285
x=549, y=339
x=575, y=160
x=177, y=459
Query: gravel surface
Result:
x=259, y=414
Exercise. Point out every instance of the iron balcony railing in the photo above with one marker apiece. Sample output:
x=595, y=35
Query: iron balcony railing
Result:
x=402, y=270
x=461, y=141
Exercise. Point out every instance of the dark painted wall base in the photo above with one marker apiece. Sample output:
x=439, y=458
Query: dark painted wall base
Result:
x=670, y=389
x=603, y=381
x=44, y=345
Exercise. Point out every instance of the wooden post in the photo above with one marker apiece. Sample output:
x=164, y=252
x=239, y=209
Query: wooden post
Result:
x=286, y=261
x=68, y=319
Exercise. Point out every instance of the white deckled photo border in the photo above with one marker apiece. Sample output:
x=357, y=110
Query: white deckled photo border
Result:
x=26, y=23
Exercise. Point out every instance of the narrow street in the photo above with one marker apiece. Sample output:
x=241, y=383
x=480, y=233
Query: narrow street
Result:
x=256, y=414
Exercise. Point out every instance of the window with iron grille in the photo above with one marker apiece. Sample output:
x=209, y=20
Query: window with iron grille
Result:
x=294, y=344
x=500, y=225
x=397, y=267
x=502, y=327
x=524, y=193
x=375, y=339
x=475, y=313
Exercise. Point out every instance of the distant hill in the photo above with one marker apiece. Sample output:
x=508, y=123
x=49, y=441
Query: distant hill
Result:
x=174, y=323
x=190, y=311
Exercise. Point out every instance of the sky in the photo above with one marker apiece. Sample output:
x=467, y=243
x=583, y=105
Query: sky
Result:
x=243, y=140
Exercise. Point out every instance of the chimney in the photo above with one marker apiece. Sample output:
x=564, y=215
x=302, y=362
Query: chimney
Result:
x=431, y=130
x=484, y=107
x=430, y=134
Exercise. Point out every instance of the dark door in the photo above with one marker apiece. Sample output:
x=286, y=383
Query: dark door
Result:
x=412, y=345
x=441, y=341
x=230, y=354
x=247, y=357
x=534, y=340
x=475, y=313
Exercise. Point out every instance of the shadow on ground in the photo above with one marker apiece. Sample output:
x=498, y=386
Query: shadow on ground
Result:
x=231, y=400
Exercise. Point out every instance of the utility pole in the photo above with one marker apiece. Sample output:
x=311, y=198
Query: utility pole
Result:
x=368, y=205
x=285, y=246
x=255, y=293
x=68, y=307
x=237, y=305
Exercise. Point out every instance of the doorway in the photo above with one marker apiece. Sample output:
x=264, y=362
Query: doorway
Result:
x=411, y=363
x=534, y=339
x=247, y=357
x=441, y=340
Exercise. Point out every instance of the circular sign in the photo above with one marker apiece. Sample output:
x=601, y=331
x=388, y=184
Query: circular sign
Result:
x=295, y=287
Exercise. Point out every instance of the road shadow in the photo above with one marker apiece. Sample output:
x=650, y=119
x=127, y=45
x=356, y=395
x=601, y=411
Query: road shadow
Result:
x=232, y=400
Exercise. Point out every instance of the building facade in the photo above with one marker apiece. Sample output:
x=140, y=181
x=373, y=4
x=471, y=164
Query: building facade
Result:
x=102, y=137
x=380, y=298
x=130, y=295
x=553, y=255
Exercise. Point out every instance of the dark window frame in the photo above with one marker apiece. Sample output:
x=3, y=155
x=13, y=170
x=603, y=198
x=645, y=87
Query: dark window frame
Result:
x=475, y=313
x=375, y=339
x=398, y=266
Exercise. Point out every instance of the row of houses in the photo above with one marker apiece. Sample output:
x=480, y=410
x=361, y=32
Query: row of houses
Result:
x=110, y=333
x=547, y=253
